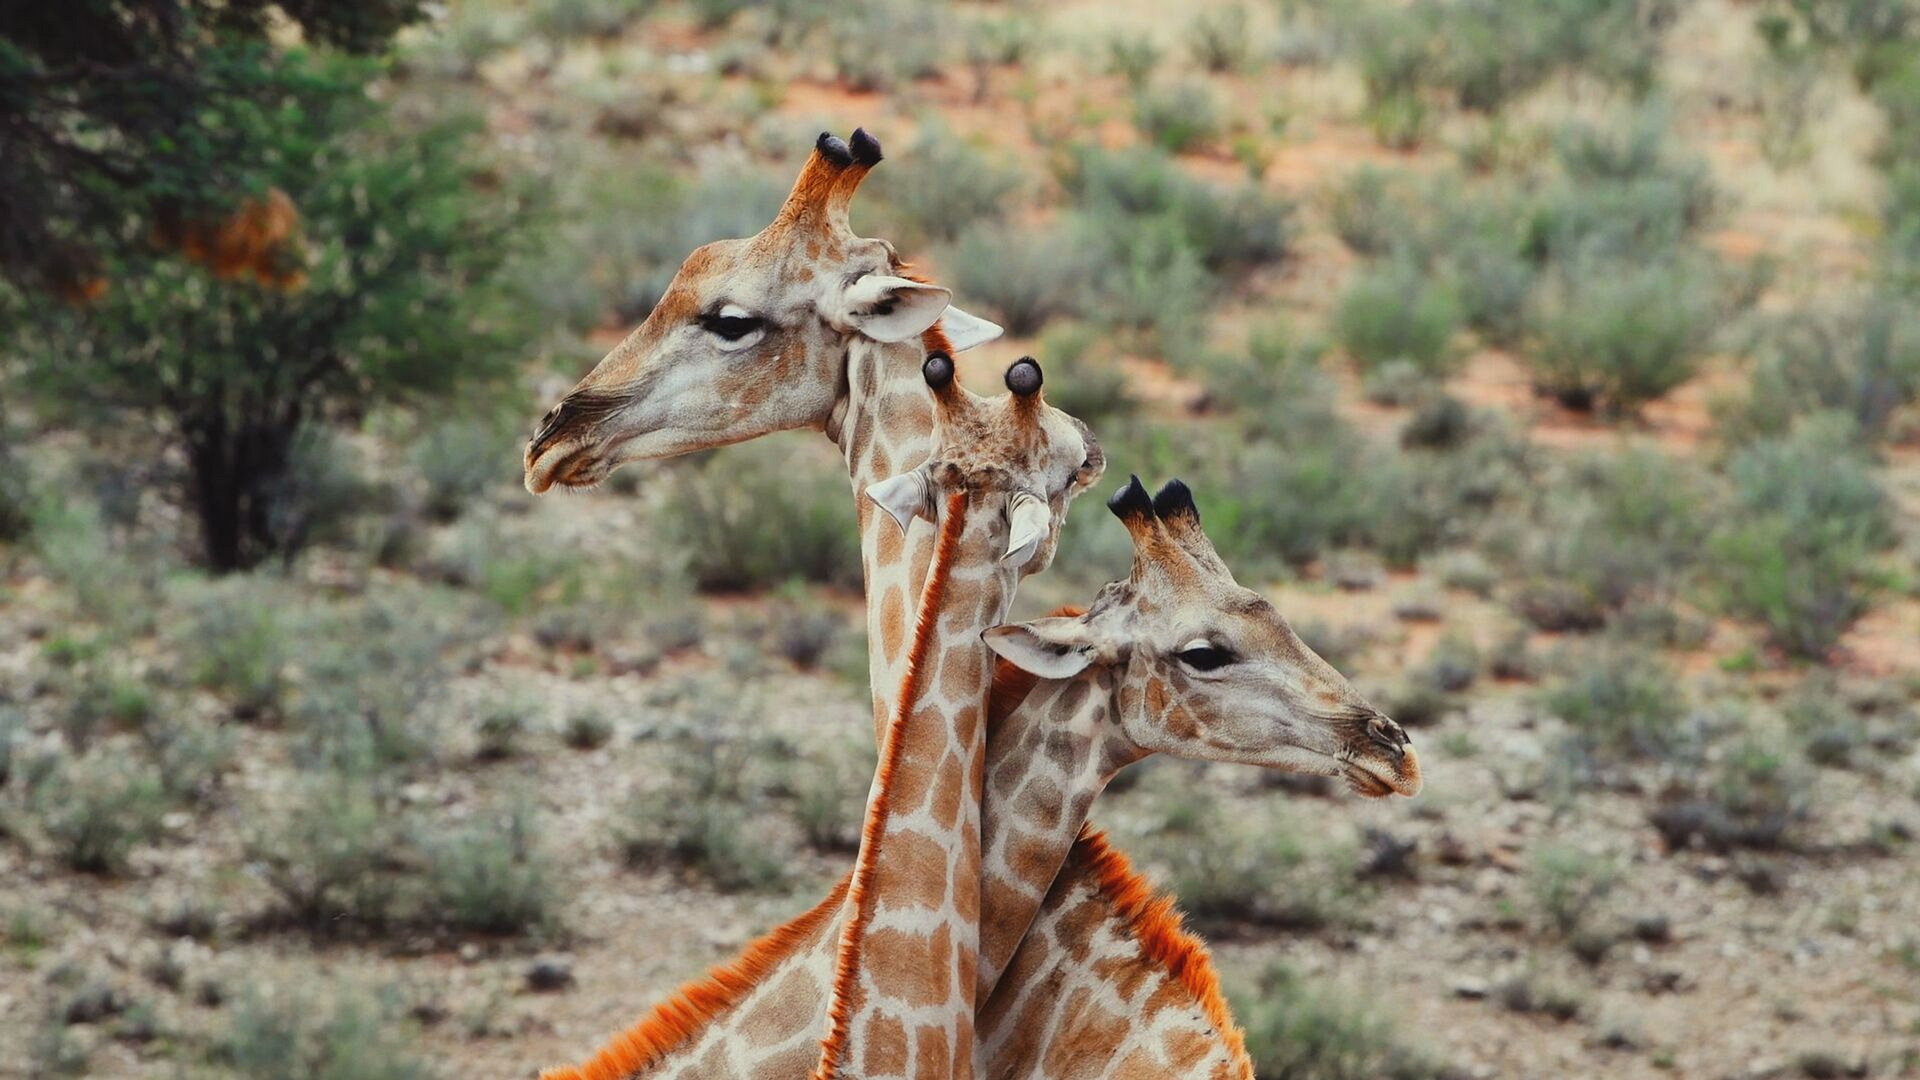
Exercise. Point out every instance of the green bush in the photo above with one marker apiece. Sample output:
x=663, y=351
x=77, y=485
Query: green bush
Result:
x=756, y=516
x=586, y=731
x=1485, y=54
x=1154, y=278
x=490, y=877
x=192, y=757
x=1625, y=194
x=702, y=817
x=1754, y=794
x=1277, y=390
x=1810, y=516
x=943, y=187
x=1370, y=212
x=1565, y=883
x=1860, y=357
x=1817, y=477
x=1615, y=531
x=564, y=19
x=1133, y=57
x=349, y=1036
x=629, y=232
x=109, y=582
x=1022, y=278
x=880, y=44
x=95, y=809
x=1122, y=194
x=1296, y=1030
x=1220, y=39
x=460, y=460
x=1395, y=51
x=1618, y=334
x=1397, y=311
x=1180, y=117
x=369, y=670
x=333, y=856
x=1300, y=502
x=1620, y=702
x=830, y=793
x=805, y=637
x=1477, y=244
x=1828, y=726
x=1236, y=868
x=1806, y=593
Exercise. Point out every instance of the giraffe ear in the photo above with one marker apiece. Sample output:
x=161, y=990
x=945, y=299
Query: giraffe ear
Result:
x=886, y=308
x=967, y=331
x=905, y=496
x=1057, y=647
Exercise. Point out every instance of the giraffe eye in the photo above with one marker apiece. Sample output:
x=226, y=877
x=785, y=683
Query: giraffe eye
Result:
x=1202, y=656
x=729, y=326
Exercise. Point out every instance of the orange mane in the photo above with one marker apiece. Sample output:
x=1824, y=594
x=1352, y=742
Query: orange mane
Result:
x=673, y=1021
x=1156, y=924
x=847, y=964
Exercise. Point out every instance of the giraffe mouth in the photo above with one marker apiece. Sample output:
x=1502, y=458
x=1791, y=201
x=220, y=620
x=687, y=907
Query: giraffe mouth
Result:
x=567, y=467
x=1375, y=778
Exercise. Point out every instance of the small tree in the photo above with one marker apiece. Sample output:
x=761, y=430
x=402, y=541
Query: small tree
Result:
x=116, y=114
x=389, y=290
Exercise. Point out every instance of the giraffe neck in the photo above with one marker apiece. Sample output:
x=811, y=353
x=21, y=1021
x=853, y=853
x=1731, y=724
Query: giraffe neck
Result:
x=1108, y=984
x=755, y=1017
x=1048, y=757
x=886, y=430
x=903, y=998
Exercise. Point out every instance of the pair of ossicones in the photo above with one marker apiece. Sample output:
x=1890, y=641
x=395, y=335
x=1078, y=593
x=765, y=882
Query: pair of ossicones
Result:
x=1023, y=375
x=910, y=494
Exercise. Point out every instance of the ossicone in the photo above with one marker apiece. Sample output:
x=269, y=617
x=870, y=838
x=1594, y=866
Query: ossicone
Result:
x=865, y=148
x=938, y=370
x=1175, y=500
x=1131, y=502
x=833, y=148
x=1024, y=378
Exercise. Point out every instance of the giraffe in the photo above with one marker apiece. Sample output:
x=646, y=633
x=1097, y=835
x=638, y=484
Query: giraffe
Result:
x=802, y=326
x=1100, y=941
x=902, y=1001
x=1180, y=659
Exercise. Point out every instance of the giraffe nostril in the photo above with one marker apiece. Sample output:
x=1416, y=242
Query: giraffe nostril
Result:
x=1388, y=734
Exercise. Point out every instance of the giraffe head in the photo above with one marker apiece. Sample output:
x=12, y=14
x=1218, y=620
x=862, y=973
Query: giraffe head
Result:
x=750, y=337
x=1208, y=669
x=1015, y=454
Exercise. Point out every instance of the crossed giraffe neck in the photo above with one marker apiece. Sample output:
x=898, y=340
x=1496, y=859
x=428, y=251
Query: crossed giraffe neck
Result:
x=1074, y=698
x=902, y=1001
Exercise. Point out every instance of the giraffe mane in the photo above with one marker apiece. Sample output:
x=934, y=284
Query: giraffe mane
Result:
x=1157, y=926
x=846, y=965
x=671, y=1023
x=934, y=338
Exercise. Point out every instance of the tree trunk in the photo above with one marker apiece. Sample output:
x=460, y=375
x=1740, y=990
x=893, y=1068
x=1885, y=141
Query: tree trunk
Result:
x=237, y=470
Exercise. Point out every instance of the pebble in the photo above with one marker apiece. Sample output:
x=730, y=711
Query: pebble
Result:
x=1471, y=989
x=550, y=973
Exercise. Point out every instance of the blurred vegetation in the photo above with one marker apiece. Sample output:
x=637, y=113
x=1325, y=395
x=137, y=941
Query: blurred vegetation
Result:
x=1514, y=389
